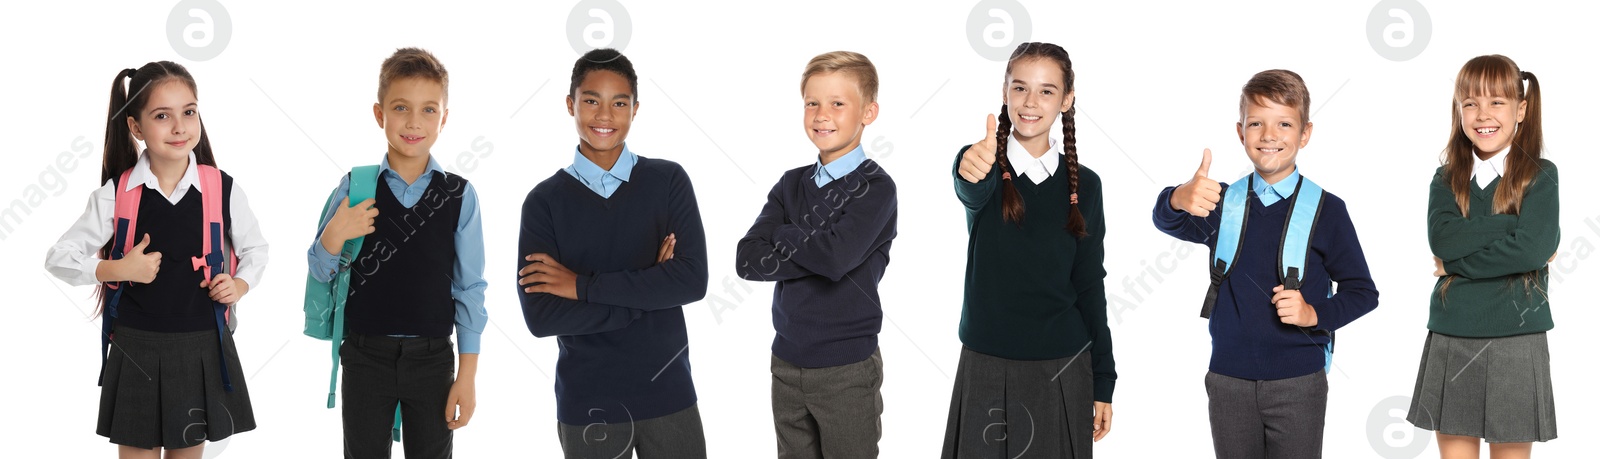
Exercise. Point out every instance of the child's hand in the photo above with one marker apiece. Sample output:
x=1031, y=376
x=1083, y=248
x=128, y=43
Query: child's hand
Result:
x=979, y=158
x=668, y=246
x=1199, y=195
x=1438, y=267
x=138, y=266
x=463, y=395
x=550, y=275
x=1292, y=308
x=1102, y=420
x=226, y=289
x=348, y=223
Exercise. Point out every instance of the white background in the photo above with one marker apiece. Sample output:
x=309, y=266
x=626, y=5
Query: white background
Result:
x=288, y=106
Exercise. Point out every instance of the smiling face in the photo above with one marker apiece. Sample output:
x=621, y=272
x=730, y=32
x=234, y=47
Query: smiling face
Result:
x=411, y=115
x=1491, y=121
x=602, y=108
x=1272, y=136
x=836, y=113
x=1035, y=94
x=169, y=123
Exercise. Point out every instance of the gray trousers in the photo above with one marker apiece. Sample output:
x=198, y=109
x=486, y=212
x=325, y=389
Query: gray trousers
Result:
x=1274, y=419
x=828, y=412
x=677, y=435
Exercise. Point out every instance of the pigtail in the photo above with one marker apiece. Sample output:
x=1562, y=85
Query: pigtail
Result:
x=1069, y=146
x=1522, y=162
x=1011, y=207
x=121, y=151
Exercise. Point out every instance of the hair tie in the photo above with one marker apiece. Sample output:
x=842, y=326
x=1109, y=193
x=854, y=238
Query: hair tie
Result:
x=1005, y=176
x=1525, y=75
x=1074, y=199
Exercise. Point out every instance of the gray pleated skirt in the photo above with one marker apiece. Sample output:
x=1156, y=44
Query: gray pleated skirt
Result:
x=165, y=389
x=1497, y=389
x=1021, y=408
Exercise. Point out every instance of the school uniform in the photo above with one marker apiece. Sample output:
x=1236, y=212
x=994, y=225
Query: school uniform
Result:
x=419, y=277
x=623, y=384
x=1485, y=368
x=1037, y=349
x=824, y=238
x=162, y=381
x=1267, y=383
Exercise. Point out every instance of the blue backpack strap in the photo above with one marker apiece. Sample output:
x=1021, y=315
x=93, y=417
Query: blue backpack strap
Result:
x=1305, y=207
x=1304, y=212
x=1235, y=214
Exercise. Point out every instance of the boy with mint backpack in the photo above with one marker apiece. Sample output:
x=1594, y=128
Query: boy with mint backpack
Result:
x=397, y=264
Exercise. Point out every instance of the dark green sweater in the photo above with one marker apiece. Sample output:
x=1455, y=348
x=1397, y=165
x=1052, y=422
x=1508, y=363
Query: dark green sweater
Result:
x=1035, y=292
x=1487, y=255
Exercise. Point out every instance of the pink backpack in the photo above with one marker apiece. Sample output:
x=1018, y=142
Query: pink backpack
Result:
x=215, y=260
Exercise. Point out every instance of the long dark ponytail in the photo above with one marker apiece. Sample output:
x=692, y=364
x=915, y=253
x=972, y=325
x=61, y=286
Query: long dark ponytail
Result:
x=1011, y=206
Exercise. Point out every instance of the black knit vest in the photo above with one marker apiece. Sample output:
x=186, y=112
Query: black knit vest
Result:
x=400, y=283
x=174, y=301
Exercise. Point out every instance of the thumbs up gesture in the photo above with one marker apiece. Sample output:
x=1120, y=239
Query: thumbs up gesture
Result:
x=140, y=266
x=979, y=158
x=1200, y=195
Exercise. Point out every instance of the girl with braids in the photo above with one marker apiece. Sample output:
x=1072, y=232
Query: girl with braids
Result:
x=164, y=384
x=1493, y=226
x=1036, y=371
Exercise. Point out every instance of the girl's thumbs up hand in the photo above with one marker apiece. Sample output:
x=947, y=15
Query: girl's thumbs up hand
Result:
x=979, y=158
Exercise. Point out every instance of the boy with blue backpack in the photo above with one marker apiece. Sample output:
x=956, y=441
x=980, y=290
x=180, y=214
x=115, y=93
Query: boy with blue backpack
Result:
x=1279, y=243
x=397, y=264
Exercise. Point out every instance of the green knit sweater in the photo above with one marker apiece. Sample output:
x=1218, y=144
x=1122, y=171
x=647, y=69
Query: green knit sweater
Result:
x=1498, y=280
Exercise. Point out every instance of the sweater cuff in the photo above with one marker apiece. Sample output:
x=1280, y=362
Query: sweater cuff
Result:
x=582, y=287
x=1103, y=388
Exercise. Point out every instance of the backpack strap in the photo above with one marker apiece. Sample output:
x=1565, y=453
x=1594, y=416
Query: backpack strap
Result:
x=211, y=262
x=1304, y=212
x=1235, y=214
x=363, y=186
x=1305, y=206
x=124, y=224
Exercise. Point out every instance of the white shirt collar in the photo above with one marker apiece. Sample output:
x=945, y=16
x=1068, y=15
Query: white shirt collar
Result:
x=142, y=175
x=1035, y=169
x=1484, y=171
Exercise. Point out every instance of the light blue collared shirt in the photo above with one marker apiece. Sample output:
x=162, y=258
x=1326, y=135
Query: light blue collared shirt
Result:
x=466, y=278
x=602, y=181
x=1273, y=193
x=839, y=167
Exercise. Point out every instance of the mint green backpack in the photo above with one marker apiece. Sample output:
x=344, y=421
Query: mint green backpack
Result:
x=324, y=303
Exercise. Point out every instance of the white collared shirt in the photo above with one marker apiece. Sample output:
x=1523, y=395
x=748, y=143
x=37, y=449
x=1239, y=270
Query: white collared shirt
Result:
x=75, y=256
x=1484, y=171
x=1035, y=169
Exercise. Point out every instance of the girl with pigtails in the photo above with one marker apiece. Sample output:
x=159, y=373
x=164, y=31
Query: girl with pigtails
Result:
x=1036, y=371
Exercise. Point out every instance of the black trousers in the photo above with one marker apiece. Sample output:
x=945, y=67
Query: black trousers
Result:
x=382, y=371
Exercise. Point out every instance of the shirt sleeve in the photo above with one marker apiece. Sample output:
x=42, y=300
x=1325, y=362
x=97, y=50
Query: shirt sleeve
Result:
x=75, y=256
x=321, y=263
x=467, y=284
x=245, y=235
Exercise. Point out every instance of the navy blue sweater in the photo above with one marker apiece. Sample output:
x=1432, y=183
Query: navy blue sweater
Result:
x=624, y=349
x=1248, y=341
x=827, y=248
